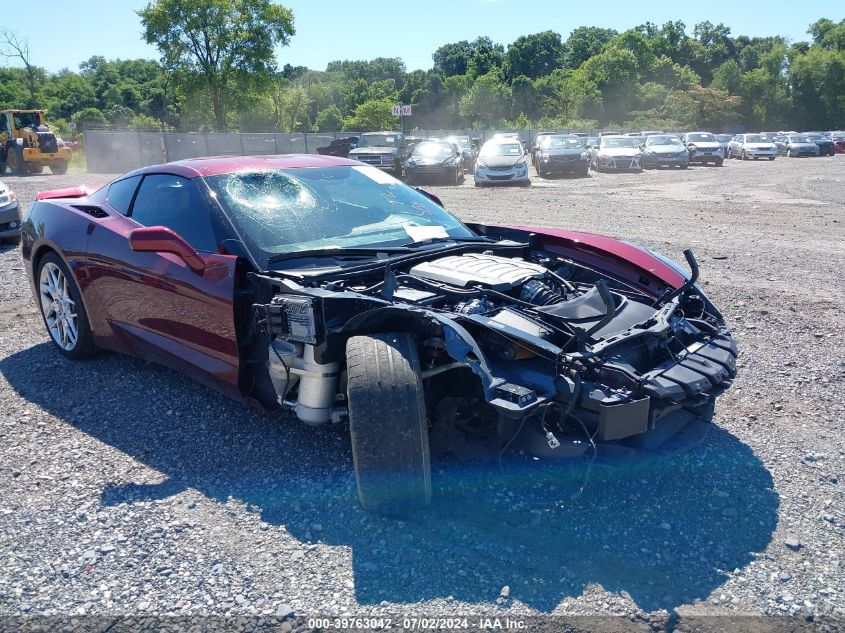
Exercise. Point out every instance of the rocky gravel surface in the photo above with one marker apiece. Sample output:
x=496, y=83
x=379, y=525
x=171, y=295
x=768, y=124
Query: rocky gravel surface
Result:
x=130, y=489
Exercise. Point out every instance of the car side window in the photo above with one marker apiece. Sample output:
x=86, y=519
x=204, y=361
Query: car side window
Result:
x=175, y=202
x=121, y=192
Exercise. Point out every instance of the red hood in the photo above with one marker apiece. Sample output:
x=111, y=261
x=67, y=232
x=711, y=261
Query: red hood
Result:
x=589, y=244
x=69, y=192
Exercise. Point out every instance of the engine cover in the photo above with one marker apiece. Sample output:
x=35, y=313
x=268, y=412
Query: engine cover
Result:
x=498, y=273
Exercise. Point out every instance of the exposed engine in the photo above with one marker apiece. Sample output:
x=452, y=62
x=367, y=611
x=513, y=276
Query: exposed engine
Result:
x=537, y=333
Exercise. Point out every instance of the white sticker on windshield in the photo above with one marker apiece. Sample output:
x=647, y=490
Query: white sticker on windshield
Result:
x=376, y=175
x=389, y=139
x=420, y=233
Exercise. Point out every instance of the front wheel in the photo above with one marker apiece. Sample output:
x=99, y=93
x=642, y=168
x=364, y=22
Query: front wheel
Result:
x=719, y=162
x=743, y=156
x=59, y=169
x=387, y=423
x=15, y=161
x=62, y=309
x=771, y=157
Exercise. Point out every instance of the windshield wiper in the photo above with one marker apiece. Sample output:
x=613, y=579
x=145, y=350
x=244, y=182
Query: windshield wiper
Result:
x=337, y=252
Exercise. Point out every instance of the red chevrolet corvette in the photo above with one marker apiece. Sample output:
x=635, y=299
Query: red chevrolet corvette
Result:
x=327, y=287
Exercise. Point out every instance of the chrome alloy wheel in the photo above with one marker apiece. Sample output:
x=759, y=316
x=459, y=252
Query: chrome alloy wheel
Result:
x=58, y=307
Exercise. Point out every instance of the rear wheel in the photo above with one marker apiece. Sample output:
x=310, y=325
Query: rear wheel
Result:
x=387, y=423
x=59, y=168
x=62, y=309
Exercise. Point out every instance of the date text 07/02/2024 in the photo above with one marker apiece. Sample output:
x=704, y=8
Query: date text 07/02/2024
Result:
x=414, y=624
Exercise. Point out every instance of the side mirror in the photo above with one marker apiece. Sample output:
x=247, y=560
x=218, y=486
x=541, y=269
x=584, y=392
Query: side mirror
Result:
x=160, y=239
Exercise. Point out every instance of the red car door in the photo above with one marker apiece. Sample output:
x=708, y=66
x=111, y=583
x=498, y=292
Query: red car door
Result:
x=156, y=305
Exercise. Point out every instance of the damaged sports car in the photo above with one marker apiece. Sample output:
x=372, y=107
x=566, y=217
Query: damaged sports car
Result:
x=327, y=287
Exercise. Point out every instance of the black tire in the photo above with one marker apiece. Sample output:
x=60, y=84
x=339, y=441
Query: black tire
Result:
x=719, y=162
x=456, y=179
x=59, y=169
x=771, y=157
x=743, y=156
x=2, y=167
x=387, y=423
x=15, y=161
x=84, y=347
x=11, y=241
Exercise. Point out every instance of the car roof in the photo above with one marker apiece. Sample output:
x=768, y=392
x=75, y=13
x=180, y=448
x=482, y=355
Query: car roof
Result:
x=215, y=165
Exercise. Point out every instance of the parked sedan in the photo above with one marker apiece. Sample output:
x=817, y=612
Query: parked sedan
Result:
x=435, y=161
x=703, y=148
x=502, y=161
x=467, y=149
x=826, y=146
x=562, y=154
x=748, y=146
x=800, y=145
x=616, y=153
x=723, y=140
x=665, y=150
x=10, y=216
x=328, y=288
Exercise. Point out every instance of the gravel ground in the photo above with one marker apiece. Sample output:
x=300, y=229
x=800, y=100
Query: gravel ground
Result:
x=130, y=489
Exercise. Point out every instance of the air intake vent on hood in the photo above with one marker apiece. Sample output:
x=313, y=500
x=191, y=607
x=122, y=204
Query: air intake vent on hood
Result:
x=91, y=210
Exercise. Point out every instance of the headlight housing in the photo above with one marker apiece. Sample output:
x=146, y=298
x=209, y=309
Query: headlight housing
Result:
x=480, y=163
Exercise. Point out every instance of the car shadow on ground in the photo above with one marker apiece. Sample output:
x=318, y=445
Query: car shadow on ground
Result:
x=665, y=532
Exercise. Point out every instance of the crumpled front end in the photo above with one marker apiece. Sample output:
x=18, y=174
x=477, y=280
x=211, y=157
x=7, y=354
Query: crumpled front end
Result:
x=518, y=347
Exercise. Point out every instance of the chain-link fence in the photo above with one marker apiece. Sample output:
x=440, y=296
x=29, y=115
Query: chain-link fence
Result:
x=110, y=151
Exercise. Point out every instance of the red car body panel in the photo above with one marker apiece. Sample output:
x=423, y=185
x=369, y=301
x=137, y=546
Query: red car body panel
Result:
x=69, y=192
x=154, y=306
x=620, y=259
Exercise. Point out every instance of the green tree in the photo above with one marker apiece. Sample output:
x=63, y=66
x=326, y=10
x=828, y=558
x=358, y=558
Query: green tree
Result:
x=534, y=55
x=372, y=116
x=728, y=77
x=615, y=73
x=17, y=48
x=329, y=120
x=475, y=58
x=817, y=78
x=218, y=41
x=583, y=43
x=487, y=101
x=89, y=117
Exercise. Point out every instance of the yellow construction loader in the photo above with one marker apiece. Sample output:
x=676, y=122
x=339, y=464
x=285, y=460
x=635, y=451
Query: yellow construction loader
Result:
x=27, y=144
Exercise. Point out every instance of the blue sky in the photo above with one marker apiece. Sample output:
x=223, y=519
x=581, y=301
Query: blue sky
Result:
x=411, y=29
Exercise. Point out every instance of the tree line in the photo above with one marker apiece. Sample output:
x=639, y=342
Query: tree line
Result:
x=218, y=71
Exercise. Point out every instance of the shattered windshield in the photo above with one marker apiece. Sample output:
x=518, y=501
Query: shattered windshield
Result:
x=289, y=210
